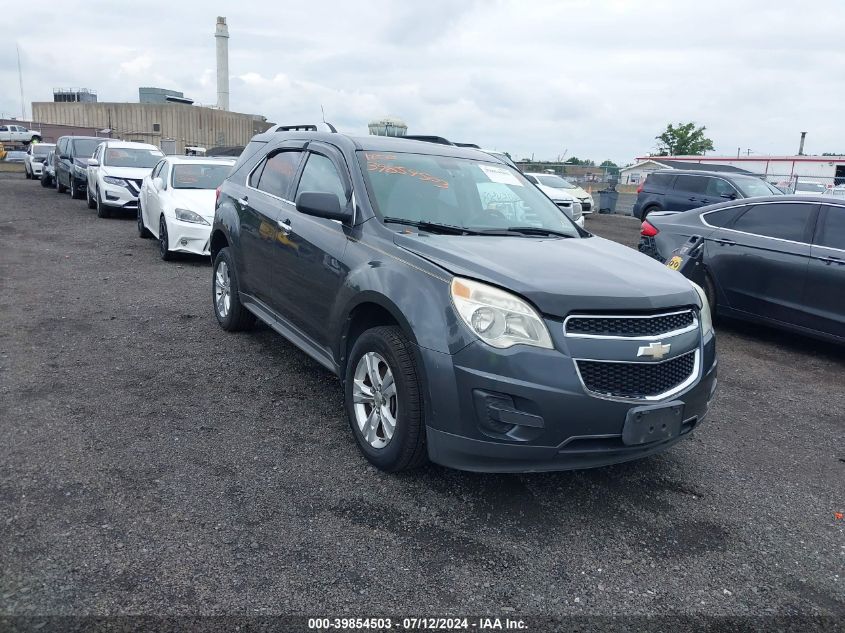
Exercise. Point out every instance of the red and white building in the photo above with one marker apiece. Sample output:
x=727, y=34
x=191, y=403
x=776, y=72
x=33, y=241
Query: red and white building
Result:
x=782, y=170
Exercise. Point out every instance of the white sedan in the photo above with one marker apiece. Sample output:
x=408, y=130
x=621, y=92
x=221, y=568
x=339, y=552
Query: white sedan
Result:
x=177, y=200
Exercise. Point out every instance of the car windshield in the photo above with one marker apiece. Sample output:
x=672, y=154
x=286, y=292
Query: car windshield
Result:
x=816, y=187
x=40, y=149
x=131, y=157
x=458, y=192
x=751, y=187
x=84, y=147
x=200, y=176
x=557, y=182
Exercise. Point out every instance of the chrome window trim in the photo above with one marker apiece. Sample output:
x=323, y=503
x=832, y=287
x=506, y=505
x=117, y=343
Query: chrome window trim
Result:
x=693, y=377
x=765, y=237
x=655, y=337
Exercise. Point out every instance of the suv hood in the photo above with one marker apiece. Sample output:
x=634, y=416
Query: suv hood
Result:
x=558, y=276
x=136, y=173
x=557, y=194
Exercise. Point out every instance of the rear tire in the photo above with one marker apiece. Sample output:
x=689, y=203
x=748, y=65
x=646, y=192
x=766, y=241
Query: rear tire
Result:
x=710, y=293
x=381, y=384
x=225, y=295
x=649, y=210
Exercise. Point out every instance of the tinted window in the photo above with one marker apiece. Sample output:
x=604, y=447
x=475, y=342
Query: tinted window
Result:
x=200, y=175
x=784, y=221
x=278, y=172
x=751, y=187
x=723, y=217
x=831, y=231
x=3, y=128
x=716, y=187
x=130, y=157
x=658, y=181
x=691, y=184
x=320, y=175
x=84, y=148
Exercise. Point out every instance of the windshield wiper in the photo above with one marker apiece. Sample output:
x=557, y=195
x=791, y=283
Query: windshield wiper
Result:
x=525, y=230
x=432, y=227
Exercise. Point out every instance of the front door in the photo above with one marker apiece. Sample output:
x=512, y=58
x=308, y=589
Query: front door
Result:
x=308, y=269
x=826, y=274
x=760, y=262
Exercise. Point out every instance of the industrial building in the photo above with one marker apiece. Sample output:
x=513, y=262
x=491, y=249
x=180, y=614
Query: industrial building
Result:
x=162, y=95
x=780, y=170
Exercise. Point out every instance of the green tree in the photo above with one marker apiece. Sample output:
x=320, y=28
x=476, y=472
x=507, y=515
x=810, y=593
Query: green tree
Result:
x=577, y=161
x=610, y=166
x=682, y=140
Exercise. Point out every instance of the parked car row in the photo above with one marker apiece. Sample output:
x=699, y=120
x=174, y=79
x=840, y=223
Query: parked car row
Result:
x=173, y=197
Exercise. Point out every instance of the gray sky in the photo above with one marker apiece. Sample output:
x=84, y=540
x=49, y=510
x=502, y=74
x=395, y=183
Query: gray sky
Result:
x=594, y=78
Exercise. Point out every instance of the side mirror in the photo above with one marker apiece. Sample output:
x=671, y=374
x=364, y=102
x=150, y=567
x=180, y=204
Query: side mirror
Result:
x=321, y=205
x=158, y=182
x=93, y=162
x=729, y=196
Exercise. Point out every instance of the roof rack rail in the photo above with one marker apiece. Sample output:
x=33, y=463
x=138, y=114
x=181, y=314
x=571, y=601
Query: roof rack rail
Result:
x=428, y=139
x=295, y=128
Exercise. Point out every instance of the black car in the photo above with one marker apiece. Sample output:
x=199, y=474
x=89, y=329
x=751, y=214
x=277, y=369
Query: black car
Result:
x=71, y=163
x=679, y=190
x=470, y=321
x=778, y=259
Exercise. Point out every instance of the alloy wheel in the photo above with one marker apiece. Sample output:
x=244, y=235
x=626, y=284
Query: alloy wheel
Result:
x=222, y=290
x=162, y=238
x=375, y=399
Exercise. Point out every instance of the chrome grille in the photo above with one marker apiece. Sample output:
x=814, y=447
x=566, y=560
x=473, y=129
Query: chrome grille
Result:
x=637, y=380
x=633, y=326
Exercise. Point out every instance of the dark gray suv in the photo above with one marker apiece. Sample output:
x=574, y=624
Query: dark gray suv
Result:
x=469, y=320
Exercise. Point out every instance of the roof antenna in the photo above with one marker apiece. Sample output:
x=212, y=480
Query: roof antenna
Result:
x=330, y=126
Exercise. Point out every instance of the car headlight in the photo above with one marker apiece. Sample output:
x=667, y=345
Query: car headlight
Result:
x=79, y=171
x=186, y=215
x=498, y=318
x=120, y=182
x=706, y=317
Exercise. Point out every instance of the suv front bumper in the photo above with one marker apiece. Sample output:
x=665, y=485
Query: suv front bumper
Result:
x=556, y=423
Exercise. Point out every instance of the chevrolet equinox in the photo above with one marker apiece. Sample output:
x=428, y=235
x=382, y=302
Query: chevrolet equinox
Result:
x=469, y=320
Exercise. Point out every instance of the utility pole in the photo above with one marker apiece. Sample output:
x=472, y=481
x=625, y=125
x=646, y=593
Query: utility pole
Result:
x=20, y=80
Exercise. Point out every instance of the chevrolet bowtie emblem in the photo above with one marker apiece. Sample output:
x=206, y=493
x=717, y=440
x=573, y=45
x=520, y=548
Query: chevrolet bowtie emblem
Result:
x=654, y=350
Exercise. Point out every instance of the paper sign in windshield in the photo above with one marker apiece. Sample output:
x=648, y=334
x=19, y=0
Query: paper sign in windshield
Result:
x=501, y=175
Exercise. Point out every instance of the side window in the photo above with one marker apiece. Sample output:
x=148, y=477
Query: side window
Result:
x=164, y=174
x=278, y=172
x=255, y=176
x=691, y=184
x=831, y=230
x=722, y=217
x=3, y=128
x=157, y=169
x=321, y=175
x=716, y=187
x=783, y=221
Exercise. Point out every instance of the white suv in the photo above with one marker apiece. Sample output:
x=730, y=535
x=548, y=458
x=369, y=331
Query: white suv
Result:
x=18, y=134
x=36, y=157
x=115, y=173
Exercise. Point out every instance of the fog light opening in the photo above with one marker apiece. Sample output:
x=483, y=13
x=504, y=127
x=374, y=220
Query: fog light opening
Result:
x=183, y=242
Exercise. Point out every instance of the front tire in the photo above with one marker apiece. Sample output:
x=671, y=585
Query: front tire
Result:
x=102, y=210
x=384, y=400
x=710, y=293
x=91, y=203
x=27, y=174
x=59, y=186
x=46, y=181
x=74, y=190
x=225, y=295
x=164, y=241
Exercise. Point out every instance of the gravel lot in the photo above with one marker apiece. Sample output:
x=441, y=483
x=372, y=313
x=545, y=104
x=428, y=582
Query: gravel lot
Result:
x=152, y=463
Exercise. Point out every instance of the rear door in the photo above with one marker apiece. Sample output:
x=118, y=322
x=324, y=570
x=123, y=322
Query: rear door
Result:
x=760, y=262
x=261, y=210
x=825, y=286
x=718, y=190
x=686, y=193
x=308, y=269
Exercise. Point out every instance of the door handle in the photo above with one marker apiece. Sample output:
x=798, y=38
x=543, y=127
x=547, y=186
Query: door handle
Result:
x=284, y=226
x=691, y=199
x=243, y=201
x=725, y=242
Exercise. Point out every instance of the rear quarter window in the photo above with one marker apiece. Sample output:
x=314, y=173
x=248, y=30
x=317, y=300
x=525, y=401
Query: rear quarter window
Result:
x=657, y=182
x=722, y=217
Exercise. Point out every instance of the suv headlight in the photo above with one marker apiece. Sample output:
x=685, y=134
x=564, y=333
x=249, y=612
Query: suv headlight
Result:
x=186, y=215
x=706, y=317
x=498, y=318
x=120, y=182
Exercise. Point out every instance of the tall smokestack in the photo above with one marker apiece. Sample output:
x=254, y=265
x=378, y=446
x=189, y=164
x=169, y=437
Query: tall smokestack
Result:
x=801, y=146
x=221, y=34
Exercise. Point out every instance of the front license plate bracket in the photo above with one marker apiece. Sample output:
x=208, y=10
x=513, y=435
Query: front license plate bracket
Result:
x=655, y=423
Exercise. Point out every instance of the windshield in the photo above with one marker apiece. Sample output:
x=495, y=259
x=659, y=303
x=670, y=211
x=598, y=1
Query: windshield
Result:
x=84, y=147
x=42, y=149
x=751, y=187
x=815, y=187
x=458, y=192
x=200, y=176
x=131, y=157
x=555, y=181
